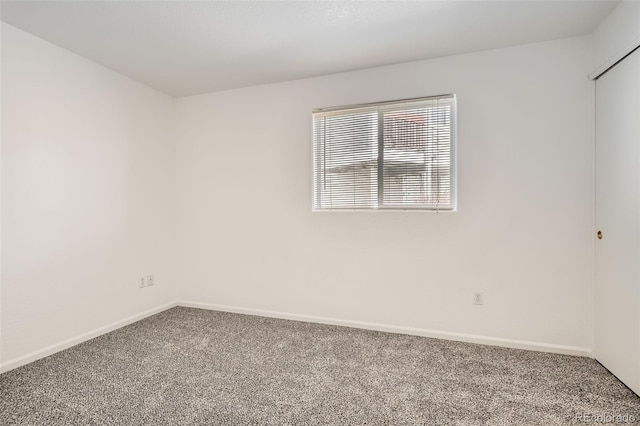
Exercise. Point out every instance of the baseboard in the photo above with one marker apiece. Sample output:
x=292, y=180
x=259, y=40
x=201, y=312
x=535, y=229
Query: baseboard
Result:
x=50, y=350
x=470, y=338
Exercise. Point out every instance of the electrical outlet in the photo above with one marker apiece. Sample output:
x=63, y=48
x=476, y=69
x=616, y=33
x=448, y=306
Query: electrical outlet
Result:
x=150, y=281
x=141, y=282
x=477, y=298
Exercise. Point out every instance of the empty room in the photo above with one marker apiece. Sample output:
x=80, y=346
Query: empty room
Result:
x=320, y=212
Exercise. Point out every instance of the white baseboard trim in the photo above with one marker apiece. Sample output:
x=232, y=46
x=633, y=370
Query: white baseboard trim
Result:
x=461, y=337
x=50, y=350
x=470, y=338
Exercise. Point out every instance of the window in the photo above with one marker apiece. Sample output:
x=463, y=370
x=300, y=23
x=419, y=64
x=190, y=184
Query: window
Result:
x=391, y=155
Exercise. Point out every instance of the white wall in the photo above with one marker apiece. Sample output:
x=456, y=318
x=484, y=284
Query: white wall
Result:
x=523, y=233
x=617, y=34
x=89, y=197
x=88, y=187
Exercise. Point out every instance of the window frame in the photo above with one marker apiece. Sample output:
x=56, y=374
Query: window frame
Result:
x=383, y=107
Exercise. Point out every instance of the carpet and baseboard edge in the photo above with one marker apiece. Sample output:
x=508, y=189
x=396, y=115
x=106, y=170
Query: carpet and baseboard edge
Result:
x=461, y=337
x=52, y=349
x=470, y=338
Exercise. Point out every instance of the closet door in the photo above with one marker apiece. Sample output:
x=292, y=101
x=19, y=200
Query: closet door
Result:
x=617, y=295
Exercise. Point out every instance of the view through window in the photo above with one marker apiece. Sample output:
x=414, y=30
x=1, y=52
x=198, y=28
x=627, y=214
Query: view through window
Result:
x=390, y=155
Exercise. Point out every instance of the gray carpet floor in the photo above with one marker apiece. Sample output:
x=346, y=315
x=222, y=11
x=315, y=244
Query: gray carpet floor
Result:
x=196, y=367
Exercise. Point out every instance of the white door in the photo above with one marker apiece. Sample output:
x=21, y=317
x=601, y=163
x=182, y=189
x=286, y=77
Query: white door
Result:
x=617, y=313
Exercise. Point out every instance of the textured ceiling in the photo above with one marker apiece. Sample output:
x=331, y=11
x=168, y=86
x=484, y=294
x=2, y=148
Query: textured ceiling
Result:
x=192, y=47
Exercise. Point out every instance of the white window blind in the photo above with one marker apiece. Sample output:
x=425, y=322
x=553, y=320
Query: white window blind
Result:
x=391, y=155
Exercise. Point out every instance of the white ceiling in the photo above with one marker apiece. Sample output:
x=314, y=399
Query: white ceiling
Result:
x=192, y=47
